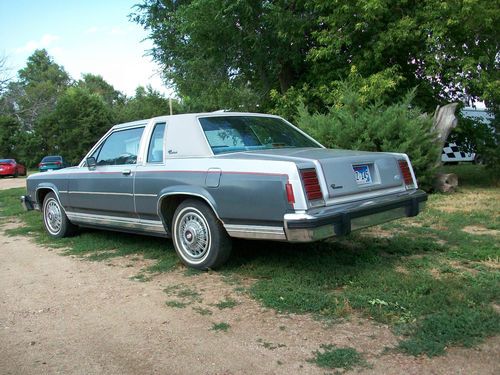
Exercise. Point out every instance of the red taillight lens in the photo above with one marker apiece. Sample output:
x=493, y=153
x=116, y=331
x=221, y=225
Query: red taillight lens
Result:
x=58, y=163
x=405, y=171
x=311, y=184
x=40, y=164
x=289, y=193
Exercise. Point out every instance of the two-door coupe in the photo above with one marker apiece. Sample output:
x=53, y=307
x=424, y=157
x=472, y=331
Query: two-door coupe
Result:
x=10, y=167
x=205, y=178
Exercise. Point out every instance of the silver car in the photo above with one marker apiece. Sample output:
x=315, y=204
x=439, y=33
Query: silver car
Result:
x=205, y=178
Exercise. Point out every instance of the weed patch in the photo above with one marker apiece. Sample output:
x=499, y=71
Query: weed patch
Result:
x=331, y=357
x=220, y=327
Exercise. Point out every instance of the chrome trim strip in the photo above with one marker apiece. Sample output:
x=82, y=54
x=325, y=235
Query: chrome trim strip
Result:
x=255, y=232
x=160, y=198
x=365, y=195
x=119, y=222
x=146, y=195
x=100, y=193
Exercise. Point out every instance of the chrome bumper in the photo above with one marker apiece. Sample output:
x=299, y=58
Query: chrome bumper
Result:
x=339, y=220
x=27, y=203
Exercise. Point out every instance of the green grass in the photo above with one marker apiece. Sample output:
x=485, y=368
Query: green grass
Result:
x=202, y=311
x=176, y=304
x=227, y=303
x=435, y=284
x=331, y=357
x=220, y=327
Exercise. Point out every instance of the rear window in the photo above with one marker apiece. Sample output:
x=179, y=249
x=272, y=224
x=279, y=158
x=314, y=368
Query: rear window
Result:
x=49, y=159
x=245, y=133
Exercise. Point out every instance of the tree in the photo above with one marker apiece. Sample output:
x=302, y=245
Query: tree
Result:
x=229, y=54
x=35, y=94
x=97, y=85
x=449, y=50
x=9, y=133
x=146, y=103
x=5, y=76
x=79, y=119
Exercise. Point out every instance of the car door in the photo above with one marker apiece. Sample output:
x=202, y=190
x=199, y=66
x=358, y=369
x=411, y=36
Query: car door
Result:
x=106, y=192
x=150, y=178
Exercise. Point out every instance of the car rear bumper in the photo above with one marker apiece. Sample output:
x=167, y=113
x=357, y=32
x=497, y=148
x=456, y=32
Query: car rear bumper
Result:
x=342, y=219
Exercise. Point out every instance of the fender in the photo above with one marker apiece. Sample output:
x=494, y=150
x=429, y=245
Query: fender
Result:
x=51, y=187
x=188, y=190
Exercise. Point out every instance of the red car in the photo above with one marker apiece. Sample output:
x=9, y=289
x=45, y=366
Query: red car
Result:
x=9, y=167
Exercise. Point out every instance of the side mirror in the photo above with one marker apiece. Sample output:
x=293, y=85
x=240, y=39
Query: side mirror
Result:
x=91, y=163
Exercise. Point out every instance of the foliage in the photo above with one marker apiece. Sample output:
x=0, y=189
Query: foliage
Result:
x=146, y=103
x=332, y=357
x=358, y=121
x=40, y=84
x=449, y=50
x=77, y=122
x=9, y=133
x=229, y=54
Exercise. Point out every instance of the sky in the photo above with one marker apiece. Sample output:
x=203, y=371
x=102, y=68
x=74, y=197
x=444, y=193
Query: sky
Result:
x=84, y=36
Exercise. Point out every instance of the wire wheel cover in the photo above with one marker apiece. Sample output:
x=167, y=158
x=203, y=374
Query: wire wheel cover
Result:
x=53, y=217
x=194, y=234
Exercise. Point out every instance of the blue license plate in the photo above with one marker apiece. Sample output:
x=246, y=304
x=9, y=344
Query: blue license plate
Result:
x=362, y=174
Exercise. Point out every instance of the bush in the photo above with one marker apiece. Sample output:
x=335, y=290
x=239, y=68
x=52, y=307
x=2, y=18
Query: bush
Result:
x=352, y=123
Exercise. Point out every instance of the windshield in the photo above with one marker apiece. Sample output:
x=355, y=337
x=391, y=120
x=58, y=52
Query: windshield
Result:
x=6, y=161
x=244, y=133
x=49, y=159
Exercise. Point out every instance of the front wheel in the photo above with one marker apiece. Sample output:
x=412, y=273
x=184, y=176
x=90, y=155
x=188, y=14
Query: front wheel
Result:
x=55, y=220
x=199, y=238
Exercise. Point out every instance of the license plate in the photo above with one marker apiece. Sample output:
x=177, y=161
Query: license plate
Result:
x=362, y=174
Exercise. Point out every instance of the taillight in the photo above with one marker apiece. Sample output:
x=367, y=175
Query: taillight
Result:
x=58, y=163
x=40, y=164
x=311, y=184
x=405, y=171
x=289, y=193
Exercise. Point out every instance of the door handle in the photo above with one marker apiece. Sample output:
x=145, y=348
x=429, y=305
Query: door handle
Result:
x=126, y=172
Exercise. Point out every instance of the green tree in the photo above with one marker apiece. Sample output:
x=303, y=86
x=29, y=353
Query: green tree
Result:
x=96, y=84
x=9, y=133
x=79, y=119
x=146, y=103
x=229, y=54
x=40, y=83
x=449, y=50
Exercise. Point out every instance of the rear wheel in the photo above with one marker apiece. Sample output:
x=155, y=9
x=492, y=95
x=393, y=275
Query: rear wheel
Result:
x=55, y=220
x=199, y=238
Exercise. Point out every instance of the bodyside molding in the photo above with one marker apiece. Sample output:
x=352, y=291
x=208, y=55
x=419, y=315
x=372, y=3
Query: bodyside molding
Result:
x=255, y=232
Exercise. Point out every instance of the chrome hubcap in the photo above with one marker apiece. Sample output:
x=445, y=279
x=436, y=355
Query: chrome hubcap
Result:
x=194, y=235
x=53, y=217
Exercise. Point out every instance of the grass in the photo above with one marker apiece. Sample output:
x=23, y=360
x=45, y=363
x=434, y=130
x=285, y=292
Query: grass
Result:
x=220, y=327
x=331, y=357
x=227, y=303
x=436, y=284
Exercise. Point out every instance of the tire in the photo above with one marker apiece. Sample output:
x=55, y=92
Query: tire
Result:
x=199, y=238
x=16, y=174
x=55, y=220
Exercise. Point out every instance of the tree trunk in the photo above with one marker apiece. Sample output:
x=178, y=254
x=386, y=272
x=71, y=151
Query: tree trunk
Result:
x=444, y=122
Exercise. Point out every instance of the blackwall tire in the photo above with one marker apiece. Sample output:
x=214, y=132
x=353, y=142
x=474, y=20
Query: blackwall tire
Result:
x=199, y=238
x=55, y=221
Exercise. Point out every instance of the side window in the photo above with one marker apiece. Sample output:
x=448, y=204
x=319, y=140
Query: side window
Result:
x=120, y=147
x=155, y=151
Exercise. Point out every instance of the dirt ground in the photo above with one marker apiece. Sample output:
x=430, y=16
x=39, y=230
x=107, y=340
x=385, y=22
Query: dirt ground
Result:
x=65, y=315
x=10, y=182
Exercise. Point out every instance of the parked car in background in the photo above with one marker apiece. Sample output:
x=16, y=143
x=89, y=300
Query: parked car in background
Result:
x=51, y=163
x=10, y=167
x=205, y=178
